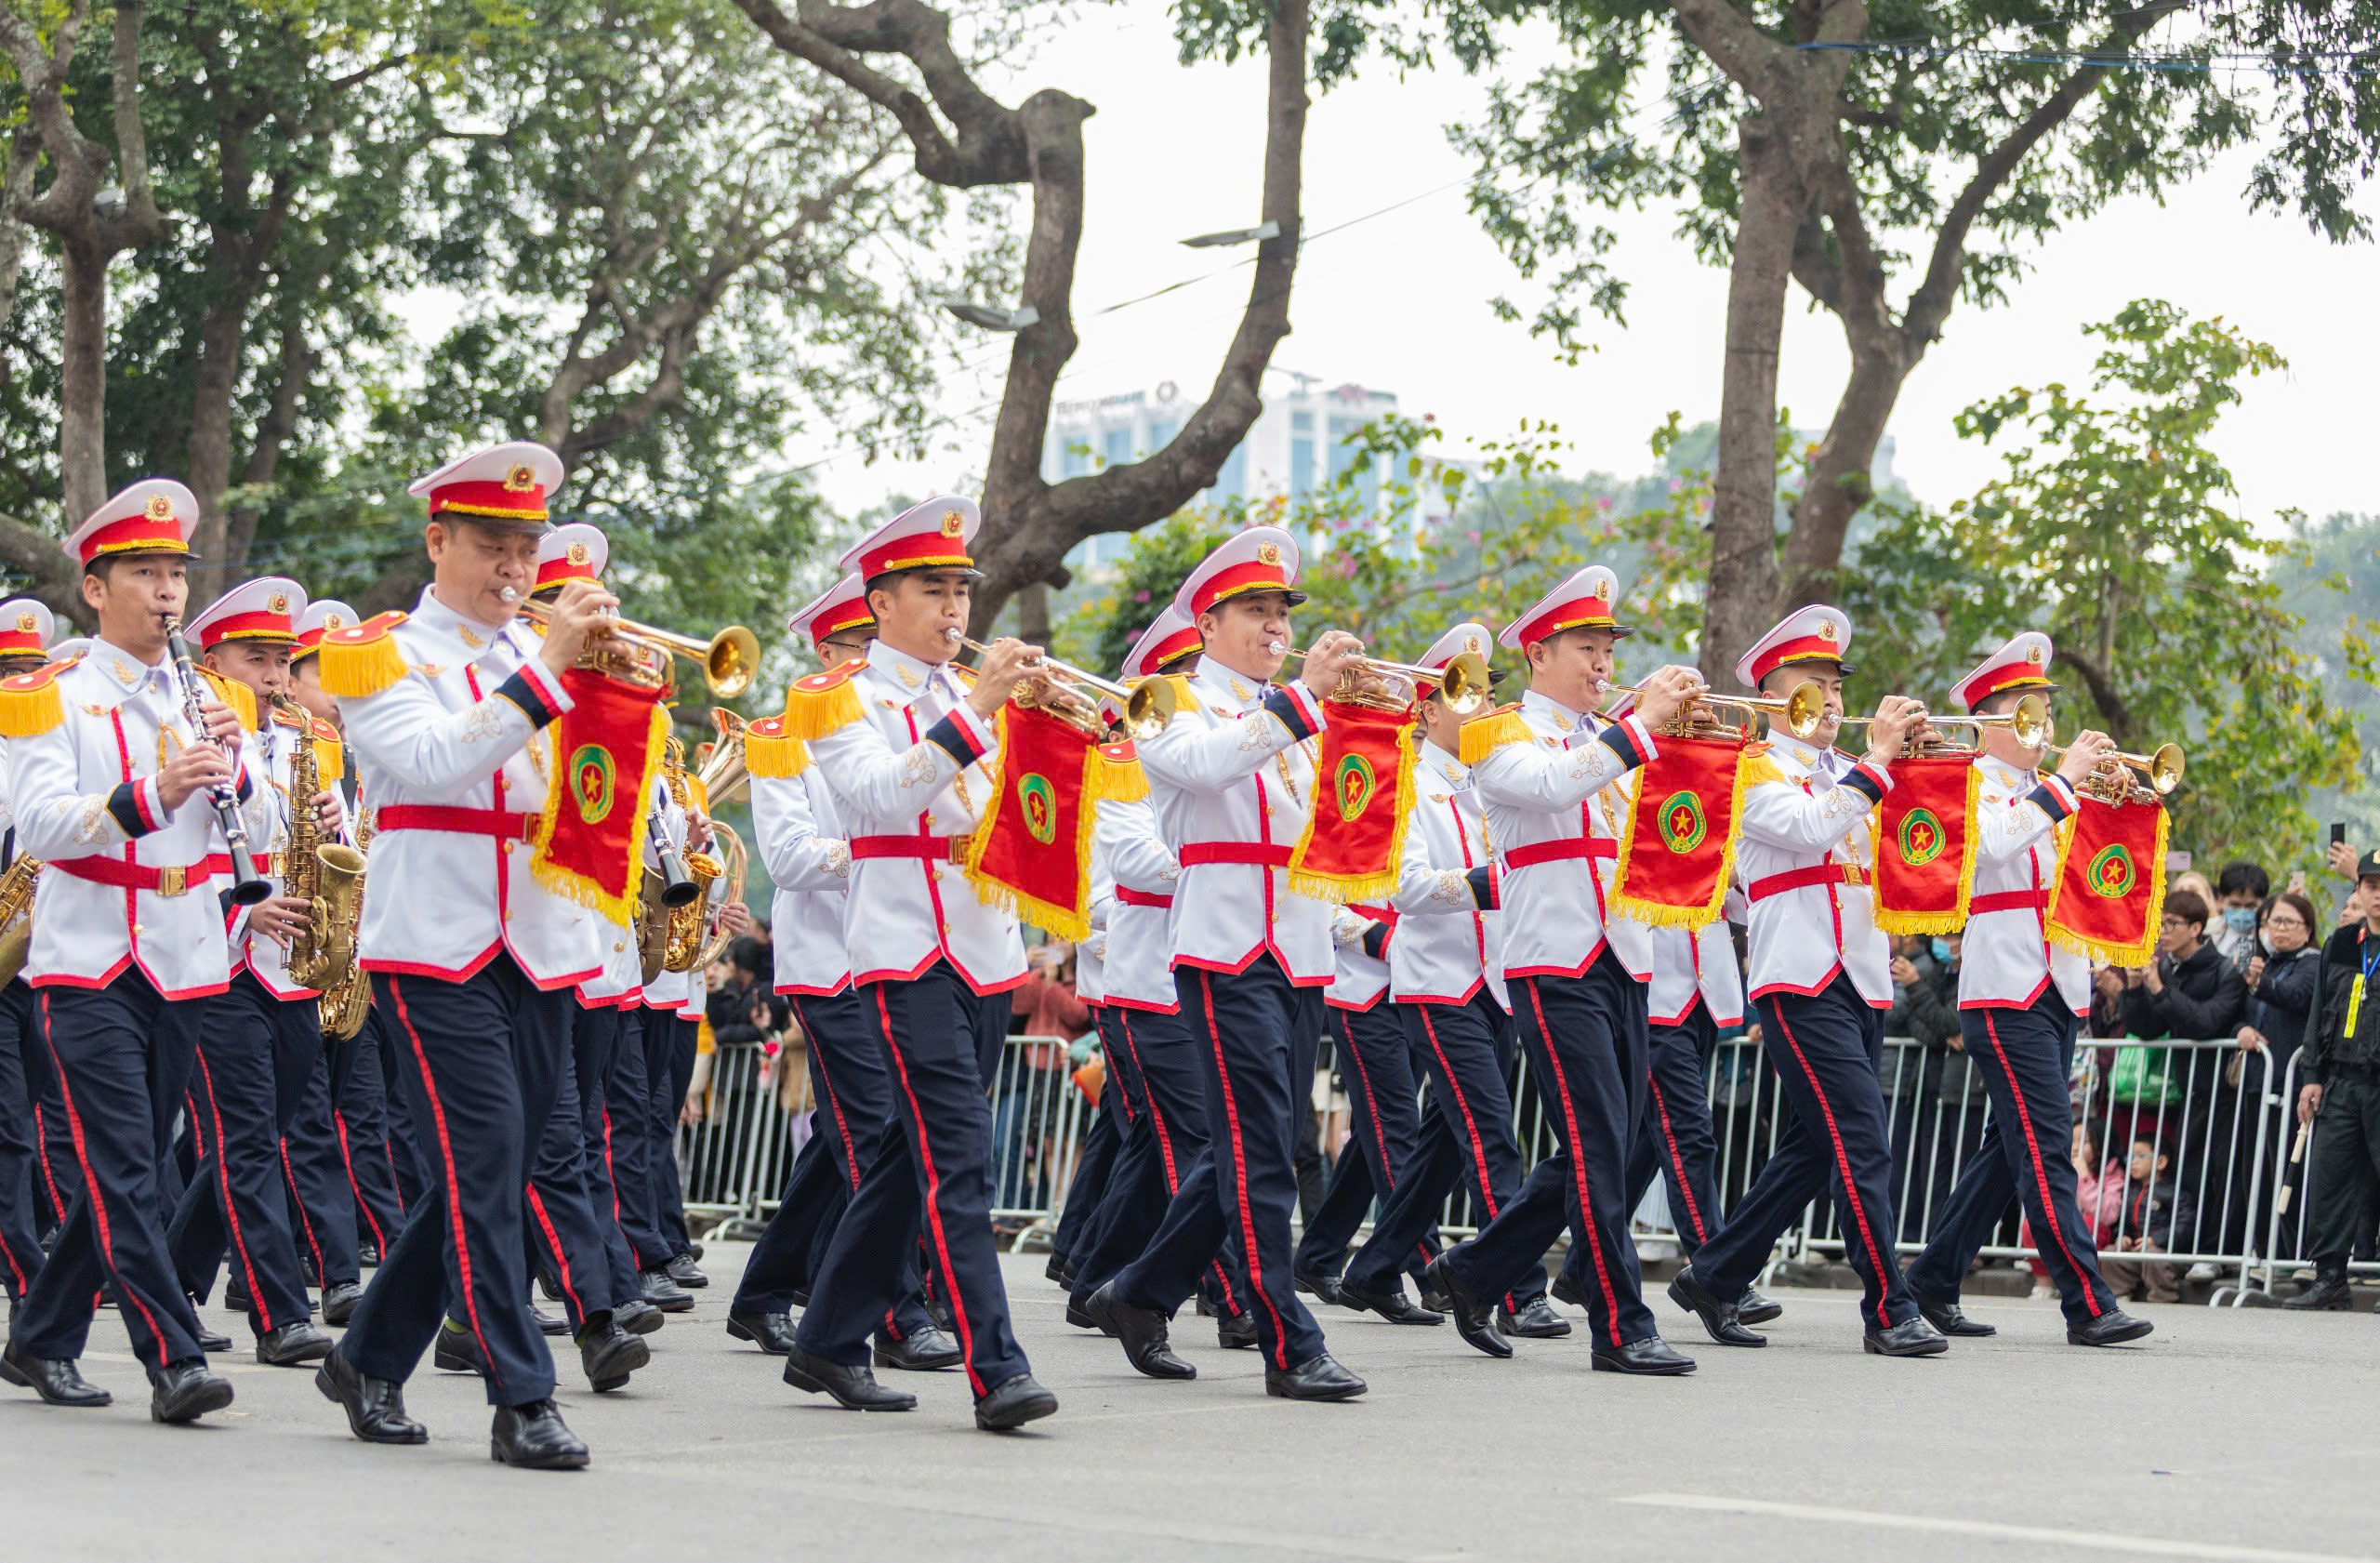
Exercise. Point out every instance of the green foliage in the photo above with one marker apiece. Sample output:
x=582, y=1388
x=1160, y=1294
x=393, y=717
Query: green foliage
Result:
x=2330, y=579
x=2115, y=528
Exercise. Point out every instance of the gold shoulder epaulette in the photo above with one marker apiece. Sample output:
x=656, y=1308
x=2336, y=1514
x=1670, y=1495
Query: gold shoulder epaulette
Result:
x=1485, y=735
x=1182, y=700
x=770, y=751
x=823, y=703
x=239, y=697
x=363, y=659
x=29, y=704
x=330, y=749
x=1757, y=766
x=1758, y=746
x=1116, y=772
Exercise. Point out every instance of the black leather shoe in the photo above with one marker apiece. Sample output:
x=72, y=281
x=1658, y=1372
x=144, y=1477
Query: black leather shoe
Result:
x=1646, y=1356
x=1317, y=1378
x=1077, y=1317
x=55, y=1379
x=292, y=1346
x=1753, y=1308
x=920, y=1353
x=638, y=1317
x=1390, y=1306
x=550, y=1284
x=1565, y=1292
x=693, y=1251
x=1313, y=1283
x=338, y=1302
x=2329, y=1293
x=1720, y=1319
x=1056, y=1269
x=609, y=1354
x=662, y=1290
x=1911, y=1337
x=1474, y=1316
x=1436, y=1301
x=375, y=1408
x=548, y=1324
x=235, y=1296
x=1142, y=1333
x=937, y=1310
x=457, y=1351
x=1014, y=1403
x=2111, y=1329
x=185, y=1391
x=368, y=1253
x=1535, y=1321
x=1951, y=1320
x=208, y=1341
x=1237, y=1333
x=533, y=1437
x=801, y=1298
x=855, y=1389
x=772, y=1332
x=684, y=1270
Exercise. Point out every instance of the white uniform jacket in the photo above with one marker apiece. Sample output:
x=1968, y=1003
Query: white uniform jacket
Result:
x=1697, y=966
x=455, y=755
x=2007, y=960
x=270, y=810
x=1231, y=779
x=802, y=846
x=1361, y=937
x=1447, y=942
x=1805, y=856
x=1137, y=916
x=911, y=774
x=127, y=882
x=1558, y=841
x=668, y=990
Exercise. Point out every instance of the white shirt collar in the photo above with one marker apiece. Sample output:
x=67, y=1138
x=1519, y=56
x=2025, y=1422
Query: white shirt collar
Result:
x=127, y=671
x=1218, y=685
x=473, y=636
x=1544, y=705
x=1443, y=765
x=912, y=674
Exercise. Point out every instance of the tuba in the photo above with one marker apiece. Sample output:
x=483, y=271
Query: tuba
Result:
x=17, y=914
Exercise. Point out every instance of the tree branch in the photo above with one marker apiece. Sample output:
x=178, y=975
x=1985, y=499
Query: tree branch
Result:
x=57, y=576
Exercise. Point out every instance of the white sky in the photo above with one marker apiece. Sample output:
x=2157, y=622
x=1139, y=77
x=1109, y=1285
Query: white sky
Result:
x=1400, y=302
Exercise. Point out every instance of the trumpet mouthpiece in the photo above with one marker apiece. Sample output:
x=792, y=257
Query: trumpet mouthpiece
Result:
x=510, y=594
x=954, y=636
x=1275, y=648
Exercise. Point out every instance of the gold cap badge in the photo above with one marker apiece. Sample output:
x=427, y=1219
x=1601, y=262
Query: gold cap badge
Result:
x=953, y=524
x=277, y=603
x=2033, y=656
x=578, y=553
x=520, y=480
x=1268, y=553
x=27, y=624
x=160, y=508
x=1826, y=630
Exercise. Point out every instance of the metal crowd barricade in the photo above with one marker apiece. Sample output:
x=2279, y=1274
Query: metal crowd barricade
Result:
x=2285, y=1240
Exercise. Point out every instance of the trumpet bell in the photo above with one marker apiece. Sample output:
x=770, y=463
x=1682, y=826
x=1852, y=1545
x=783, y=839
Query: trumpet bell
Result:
x=1149, y=707
x=2165, y=768
x=1465, y=685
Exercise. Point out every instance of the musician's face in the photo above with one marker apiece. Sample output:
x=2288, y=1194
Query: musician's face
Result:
x=262, y=666
x=305, y=688
x=133, y=593
x=1572, y=665
x=1828, y=676
x=919, y=609
x=474, y=562
x=1241, y=631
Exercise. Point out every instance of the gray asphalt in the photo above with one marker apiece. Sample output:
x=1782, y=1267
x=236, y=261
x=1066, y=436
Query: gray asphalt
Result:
x=2226, y=1435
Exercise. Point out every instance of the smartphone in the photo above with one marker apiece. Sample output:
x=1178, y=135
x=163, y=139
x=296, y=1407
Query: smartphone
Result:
x=2338, y=831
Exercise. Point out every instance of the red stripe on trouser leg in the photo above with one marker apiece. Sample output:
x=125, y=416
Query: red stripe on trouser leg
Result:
x=933, y=1201
x=835, y=1101
x=1239, y=1170
x=1462, y=1103
x=347, y=1160
x=634, y=1257
x=1371, y=1103
x=1165, y=1147
x=289, y=1173
x=1577, y=1164
x=2041, y=1174
x=1843, y=1166
x=454, y=1183
x=231, y=1211
x=553, y=1241
x=1677, y=1161
x=91, y=1190
x=50, y=1174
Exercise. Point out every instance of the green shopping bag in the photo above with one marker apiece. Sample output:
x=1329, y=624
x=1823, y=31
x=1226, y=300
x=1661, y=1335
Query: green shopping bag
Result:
x=2141, y=1076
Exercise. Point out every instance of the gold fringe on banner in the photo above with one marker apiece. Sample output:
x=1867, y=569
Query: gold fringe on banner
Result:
x=1103, y=777
x=1380, y=885
x=1949, y=921
x=2152, y=924
x=574, y=887
x=1662, y=915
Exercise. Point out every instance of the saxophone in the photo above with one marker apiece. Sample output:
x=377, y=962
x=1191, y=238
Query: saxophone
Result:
x=17, y=914
x=328, y=876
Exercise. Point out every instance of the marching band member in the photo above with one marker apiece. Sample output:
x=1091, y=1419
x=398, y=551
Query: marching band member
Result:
x=1577, y=980
x=1231, y=780
x=1445, y=966
x=473, y=960
x=26, y=627
x=1821, y=980
x=103, y=772
x=801, y=841
x=639, y=1154
x=260, y=1041
x=905, y=745
x=2019, y=1001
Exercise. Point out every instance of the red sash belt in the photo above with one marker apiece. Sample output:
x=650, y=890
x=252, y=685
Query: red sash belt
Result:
x=505, y=825
x=1378, y=914
x=1802, y=879
x=1560, y=852
x=2008, y=901
x=930, y=849
x=174, y=880
x=1128, y=896
x=1261, y=854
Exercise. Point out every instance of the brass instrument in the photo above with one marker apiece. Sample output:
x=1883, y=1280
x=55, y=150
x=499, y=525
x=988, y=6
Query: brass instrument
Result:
x=688, y=928
x=730, y=659
x=2028, y=720
x=2120, y=777
x=1802, y=709
x=721, y=778
x=17, y=915
x=723, y=775
x=737, y=860
x=663, y=895
x=1463, y=683
x=1070, y=695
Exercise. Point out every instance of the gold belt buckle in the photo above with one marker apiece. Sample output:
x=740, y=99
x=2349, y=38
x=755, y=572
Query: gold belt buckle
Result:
x=173, y=881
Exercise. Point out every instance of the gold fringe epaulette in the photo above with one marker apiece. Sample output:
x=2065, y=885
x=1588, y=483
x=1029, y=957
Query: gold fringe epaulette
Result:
x=1757, y=767
x=1182, y=700
x=1482, y=736
x=1117, y=773
x=823, y=703
x=364, y=659
x=770, y=751
x=233, y=693
x=29, y=704
x=330, y=752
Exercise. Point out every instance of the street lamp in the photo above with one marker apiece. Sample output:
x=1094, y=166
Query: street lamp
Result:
x=1257, y=234
x=989, y=318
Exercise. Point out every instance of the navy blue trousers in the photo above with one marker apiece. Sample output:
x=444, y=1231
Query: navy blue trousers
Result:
x=254, y=1054
x=485, y=1061
x=1827, y=1050
x=570, y=1199
x=670, y=1041
x=1466, y=1050
x=1255, y=1035
x=2025, y=1057
x=20, y=1140
x=1122, y=1106
x=1387, y=1131
x=932, y=1172
x=850, y=1082
x=1101, y=1149
x=360, y=1113
x=628, y=1139
x=61, y=1173
x=322, y=1201
x=120, y=1056
x=1586, y=1041
x=1677, y=1141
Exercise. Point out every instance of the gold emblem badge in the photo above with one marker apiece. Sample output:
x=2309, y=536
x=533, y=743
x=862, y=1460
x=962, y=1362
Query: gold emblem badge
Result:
x=277, y=603
x=332, y=621
x=520, y=480
x=953, y=524
x=1268, y=553
x=1826, y=630
x=28, y=624
x=1470, y=644
x=579, y=554
x=2033, y=656
x=160, y=508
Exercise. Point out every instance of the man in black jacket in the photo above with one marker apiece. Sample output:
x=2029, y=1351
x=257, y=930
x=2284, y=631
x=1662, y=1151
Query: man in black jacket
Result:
x=2340, y=1065
x=2190, y=991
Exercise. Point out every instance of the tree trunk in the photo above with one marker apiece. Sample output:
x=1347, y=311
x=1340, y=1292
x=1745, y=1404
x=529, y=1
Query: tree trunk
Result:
x=1839, y=483
x=1033, y=614
x=207, y=459
x=83, y=377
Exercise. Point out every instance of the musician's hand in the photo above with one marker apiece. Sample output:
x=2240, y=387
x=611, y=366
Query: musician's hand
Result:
x=1898, y=721
x=736, y=918
x=1332, y=658
x=2082, y=756
x=200, y=765
x=222, y=721
x=280, y=918
x=1667, y=693
x=582, y=616
x=1006, y=665
x=329, y=810
x=691, y=1113
x=698, y=835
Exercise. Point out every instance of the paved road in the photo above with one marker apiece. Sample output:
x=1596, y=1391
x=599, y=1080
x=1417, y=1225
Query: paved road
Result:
x=1807, y=1448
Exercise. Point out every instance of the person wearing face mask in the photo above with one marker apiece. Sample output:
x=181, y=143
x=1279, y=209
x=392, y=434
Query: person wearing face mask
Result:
x=2239, y=895
x=2281, y=993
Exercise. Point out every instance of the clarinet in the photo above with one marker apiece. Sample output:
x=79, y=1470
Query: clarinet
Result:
x=677, y=887
x=248, y=887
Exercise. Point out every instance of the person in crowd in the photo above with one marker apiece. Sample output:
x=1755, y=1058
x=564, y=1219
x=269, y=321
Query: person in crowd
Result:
x=2279, y=979
x=2340, y=1065
x=2241, y=891
x=2106, y=1019
x=2190, y=990
x=2195, y=882
x=2098, y=1182
x=2156, y=1214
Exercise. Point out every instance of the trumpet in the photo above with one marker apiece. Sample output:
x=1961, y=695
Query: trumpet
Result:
x=1802, y=709
x=1148, y=703
x=2161, y=769
x=1463, y=683
x=730, y=659
x=2028, y=720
